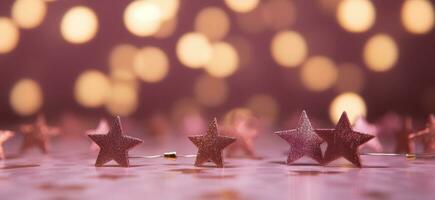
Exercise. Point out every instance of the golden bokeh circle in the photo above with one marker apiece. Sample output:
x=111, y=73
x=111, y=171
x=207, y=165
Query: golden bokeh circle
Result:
x=79, y=25
x=142, y=18
x=122, y=100
x=9, y=35
x=151, y=64
x=242, y=6
x=351, y=103
x=356, y=15
x=213, y=22
x=91, y=88
x=319, y=73
x=26, y=97
x=224, y=60
x=168, y=8
x=289, y=48
x=417, y=16
x=380, y=53
x=28, y=14
x=193, y=50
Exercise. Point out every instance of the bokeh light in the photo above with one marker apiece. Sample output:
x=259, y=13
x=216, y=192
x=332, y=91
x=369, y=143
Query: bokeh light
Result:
x=122, y=99
x=166, y=29
x=151, y=64
x=418, y=16
x=352, y=103
x=319, y=73
x=289, y=48
x=242, y=6
x=121, y=62
x=193, y=50
x=279, y=14
x=210, y=91
x=142, y=18
x=213, y=22
x=329, y=6
x=168, y=8
x=224, y=60
x=243, y=48
x=79, y=25
x=28, y=13
x=26, y=97
x=350, y=78
x=356, y=15
x=91, y=88
x=380, y=53
x=264, y=106
x=9, y=35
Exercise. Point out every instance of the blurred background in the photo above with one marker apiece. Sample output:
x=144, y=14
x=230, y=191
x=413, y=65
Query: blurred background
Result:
x=169, y=59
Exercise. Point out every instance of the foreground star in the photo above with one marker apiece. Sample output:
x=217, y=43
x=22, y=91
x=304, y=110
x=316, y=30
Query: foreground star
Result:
x=303, y=141
x=343, y=142
x=37, y=134
x=103, y=127
x=114, y=145
x=4, y=136
x=210, y=145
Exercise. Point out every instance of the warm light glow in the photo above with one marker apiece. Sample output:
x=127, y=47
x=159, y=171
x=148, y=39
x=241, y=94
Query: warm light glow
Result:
x=166, y=29
x=211, y=91
x=9, y=35
x=91, y=89
x=418, y=16
x=329, y=6
x=168, y=8
x=352, y=103
x=289, y=48
x=356, y=15
x=213, y=22
x=151, y=64
x=264, y=106
x=193, y=50
x=350, y=78
x=142, y=18
x=242, y=6
x=79, y=25
x=380, y=53
x=123, y=99
x=279, y=14
x=26, y=97
x=244, y=49
x=121, y=62
x=319, y=73
x=28, y=13
x=224, y=60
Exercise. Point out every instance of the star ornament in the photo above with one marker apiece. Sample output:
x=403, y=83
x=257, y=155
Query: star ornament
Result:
x=37, y=134
x=114, y=145
x=4, y=136
x=343, y=142
x=303, y=141
x=211, y=145
x=102, y=128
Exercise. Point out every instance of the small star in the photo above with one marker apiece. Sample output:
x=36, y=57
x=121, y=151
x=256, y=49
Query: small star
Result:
x=211, y=145
x=103, y=127
x=4, y=136
x=303, y=141
x=362, y=125
x=114, y=145
x=403, y=142
x=343, y=142
x=37, y=134
x=428, y=135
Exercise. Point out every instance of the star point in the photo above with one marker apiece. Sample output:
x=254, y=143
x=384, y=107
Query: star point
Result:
x=211, y=145
x=4, y=136
x=37, y=134
x=114, y=145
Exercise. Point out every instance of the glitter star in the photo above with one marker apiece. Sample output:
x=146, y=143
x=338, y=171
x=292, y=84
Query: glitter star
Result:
x=361, y=125
x=211, y=145
x=4, y=135
x=303, y=141
x=37, y=134
x=114, y=145
x=343, y=142
x=103, y=127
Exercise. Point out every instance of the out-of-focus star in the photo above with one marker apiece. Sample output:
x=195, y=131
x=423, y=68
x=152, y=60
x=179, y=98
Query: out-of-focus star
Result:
x=114, y=145
x=303, y=141
x=37, y=134
x=428, y=135
x=4, y=135
x=343, y=142
x=211, y=145
x=361, y=125
x=102, y=128
x=403, y=142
